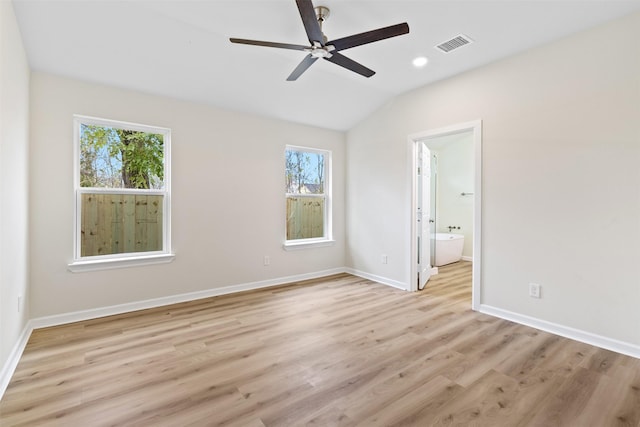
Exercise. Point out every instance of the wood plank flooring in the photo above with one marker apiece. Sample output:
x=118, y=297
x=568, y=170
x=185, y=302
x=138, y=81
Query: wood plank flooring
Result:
x=340, y=351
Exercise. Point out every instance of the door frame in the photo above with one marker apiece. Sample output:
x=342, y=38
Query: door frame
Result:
x=421, y=172
x=414, y=139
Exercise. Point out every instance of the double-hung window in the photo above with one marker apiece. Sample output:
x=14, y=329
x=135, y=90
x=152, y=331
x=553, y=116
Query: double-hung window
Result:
x=308, y=196
x=122, y=212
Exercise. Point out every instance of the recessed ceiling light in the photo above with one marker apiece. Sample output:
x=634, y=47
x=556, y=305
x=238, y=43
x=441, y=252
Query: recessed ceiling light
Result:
x=420, y=61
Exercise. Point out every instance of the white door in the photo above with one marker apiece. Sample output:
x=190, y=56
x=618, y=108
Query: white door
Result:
x=423, y=215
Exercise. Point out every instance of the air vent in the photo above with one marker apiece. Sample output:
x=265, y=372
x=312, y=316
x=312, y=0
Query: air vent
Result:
x=454, y=43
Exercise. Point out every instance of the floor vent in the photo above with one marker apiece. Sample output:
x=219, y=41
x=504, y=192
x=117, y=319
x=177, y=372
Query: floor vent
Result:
x=454, y=43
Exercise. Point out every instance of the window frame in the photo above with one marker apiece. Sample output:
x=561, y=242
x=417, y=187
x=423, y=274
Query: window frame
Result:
x=327, y=238
x=100, y=262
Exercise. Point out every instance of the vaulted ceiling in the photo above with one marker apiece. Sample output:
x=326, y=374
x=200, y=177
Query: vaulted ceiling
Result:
x=181, y=48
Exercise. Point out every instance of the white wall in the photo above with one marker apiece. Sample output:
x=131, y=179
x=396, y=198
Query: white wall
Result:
x=228, y=204
x=14, y=147
x=561, y=199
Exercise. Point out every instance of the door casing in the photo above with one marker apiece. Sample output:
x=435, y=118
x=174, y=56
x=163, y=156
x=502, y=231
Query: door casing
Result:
x=423, y=214
x=414, y=139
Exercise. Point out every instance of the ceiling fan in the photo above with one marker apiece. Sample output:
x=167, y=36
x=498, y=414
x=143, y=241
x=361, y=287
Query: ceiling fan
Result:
x=312, y=19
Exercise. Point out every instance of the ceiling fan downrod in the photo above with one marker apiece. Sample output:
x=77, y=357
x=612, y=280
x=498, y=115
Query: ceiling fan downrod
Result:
x=317, y=50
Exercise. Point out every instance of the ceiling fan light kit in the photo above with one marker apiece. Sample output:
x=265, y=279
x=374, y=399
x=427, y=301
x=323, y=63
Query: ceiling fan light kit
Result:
x=321, y=47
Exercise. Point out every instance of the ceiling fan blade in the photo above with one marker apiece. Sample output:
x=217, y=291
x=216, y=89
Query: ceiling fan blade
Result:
x=370, y=36
x=301, y=68
x=310, y=21
x=268, y=44
x=350, y=64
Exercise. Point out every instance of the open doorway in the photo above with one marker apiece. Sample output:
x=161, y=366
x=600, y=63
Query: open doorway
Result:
x=424, y=224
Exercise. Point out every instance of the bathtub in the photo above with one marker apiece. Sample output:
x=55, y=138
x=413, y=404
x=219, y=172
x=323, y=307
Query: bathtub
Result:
x=448, y=248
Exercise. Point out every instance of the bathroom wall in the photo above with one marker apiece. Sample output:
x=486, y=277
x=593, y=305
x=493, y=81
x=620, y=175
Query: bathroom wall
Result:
x=455, y=176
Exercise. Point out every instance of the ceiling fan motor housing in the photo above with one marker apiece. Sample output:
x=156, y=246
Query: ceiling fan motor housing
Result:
x=318, y=51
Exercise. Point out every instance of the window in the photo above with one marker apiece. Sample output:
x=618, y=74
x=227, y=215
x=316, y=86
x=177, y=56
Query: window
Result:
x=308, y=190
x=122, y=194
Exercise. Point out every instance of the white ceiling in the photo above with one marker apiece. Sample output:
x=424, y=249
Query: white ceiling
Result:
x=181, y=48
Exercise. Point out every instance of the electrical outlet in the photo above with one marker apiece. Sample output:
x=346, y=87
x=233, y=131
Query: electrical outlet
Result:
x=384, y=259
x=267, y=260
x=534, y=290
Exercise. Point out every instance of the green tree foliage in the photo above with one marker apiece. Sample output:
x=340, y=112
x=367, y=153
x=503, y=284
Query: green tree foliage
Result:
x=119, y=158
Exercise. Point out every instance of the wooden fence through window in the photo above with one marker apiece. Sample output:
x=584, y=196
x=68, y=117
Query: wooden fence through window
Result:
x=120, y=223
x=305, y=217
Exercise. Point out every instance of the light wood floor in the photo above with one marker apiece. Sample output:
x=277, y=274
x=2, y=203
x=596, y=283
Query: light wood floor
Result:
x=340, y=351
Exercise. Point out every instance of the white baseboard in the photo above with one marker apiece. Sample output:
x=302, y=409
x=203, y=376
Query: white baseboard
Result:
x=14, y=357
x=467, y=258
x=379, y=279
x=564, y=331
x=77, y=316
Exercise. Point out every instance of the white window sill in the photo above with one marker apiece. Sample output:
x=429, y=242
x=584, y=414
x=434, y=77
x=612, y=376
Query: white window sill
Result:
x=293, y=246
x=111, y=263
